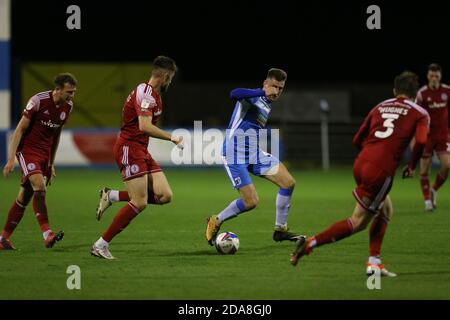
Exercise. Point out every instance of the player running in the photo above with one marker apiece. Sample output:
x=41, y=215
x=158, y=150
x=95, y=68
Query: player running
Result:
x=434, y=98
x=144, y=179
x=382, y=140
x=242, y=155
x=34, y=144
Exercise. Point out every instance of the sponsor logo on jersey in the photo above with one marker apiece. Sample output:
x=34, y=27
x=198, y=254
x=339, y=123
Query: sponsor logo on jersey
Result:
x=50, y=124
x=31, y=166
x=436, y=105
x=62, y=116
x=134, y=169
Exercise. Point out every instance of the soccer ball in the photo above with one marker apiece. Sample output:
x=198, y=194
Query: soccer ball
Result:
x=227, y=243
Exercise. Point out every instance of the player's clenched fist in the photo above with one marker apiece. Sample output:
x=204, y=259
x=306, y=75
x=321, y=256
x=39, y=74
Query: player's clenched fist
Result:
x=178, y=141
x=407, y=172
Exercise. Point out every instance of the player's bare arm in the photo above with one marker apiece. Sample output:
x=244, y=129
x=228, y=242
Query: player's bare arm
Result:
x=23, y=125
x=146, y=125
x=419, y=145
x=53, y=154
x=362, y=133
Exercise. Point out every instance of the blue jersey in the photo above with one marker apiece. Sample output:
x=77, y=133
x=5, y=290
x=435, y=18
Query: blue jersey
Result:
x=249, y=116
x=251, y=110
x=241, y=151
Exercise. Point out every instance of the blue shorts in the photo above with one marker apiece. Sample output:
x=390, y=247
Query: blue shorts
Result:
x=239, y=174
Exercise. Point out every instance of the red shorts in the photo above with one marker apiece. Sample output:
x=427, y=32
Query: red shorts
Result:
x=441, y=145
x=372, y=183
x=134, y=161
x=32, y=163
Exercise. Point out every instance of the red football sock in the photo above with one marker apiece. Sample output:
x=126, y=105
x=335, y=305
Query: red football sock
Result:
x=14, y=216
x=120, y=221
x=40, y=210
x=123, y=196
x=336, y=232
x=440, y=179
x=425, y=185
x=152, y=198
x=376, y=235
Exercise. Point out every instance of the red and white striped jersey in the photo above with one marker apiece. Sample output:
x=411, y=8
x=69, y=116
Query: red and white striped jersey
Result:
x=436, y=103
x=142, y=101
x=387, y=131
x=47, y=120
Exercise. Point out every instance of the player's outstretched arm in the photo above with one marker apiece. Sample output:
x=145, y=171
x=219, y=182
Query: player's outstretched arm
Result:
x=53, y=154
x=420, y=141
x=23, y=125
x=362, y=133
x=241, y=93
x=146, y=126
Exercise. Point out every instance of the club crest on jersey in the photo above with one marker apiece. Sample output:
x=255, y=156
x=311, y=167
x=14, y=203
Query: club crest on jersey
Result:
x=444, y=96
x=30, y=105
x=31, y=166
x=134, y=169
x=62, y=116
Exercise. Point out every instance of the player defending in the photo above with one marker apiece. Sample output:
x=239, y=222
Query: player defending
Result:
x=144, y=179
x=434, y=98
x=382, y=140
x=241, y=155
x=34, y=143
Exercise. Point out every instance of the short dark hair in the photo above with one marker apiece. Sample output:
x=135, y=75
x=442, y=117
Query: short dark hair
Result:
x=406, y=83
x=277, y=74
x=165, y=63
x=63, y=78
x=434, y=67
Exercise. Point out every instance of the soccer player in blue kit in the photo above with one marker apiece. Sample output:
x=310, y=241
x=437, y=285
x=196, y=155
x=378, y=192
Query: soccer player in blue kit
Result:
x=242, y=155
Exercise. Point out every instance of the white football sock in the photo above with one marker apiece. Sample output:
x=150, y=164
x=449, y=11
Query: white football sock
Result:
x=374, y=260
x=46, y=234
x=234, y=208
x=283, y=203
x=101, y=243
x=113, y=195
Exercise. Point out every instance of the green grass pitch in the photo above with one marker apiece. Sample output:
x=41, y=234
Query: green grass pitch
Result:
x=163, y=254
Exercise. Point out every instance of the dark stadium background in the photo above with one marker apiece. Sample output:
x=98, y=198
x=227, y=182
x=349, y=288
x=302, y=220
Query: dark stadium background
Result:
x=324, y=45
x=316, y=41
